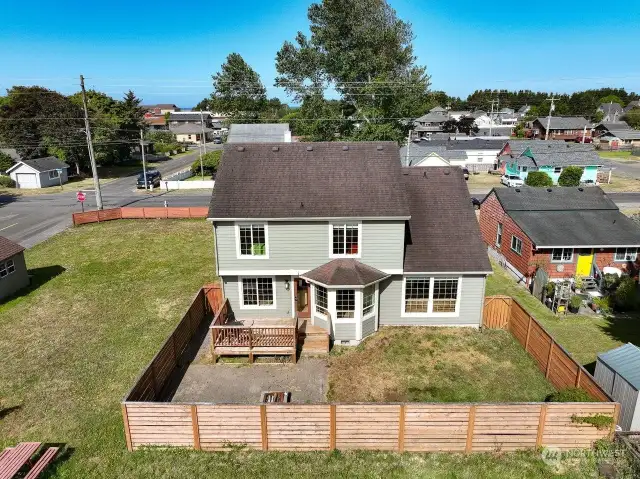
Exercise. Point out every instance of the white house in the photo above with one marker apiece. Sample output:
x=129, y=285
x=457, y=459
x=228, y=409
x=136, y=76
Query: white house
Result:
x=39, y=172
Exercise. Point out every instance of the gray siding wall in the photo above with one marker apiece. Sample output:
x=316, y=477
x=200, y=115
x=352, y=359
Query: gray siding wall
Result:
x=368, y=326
x=14, y=282
x=282, y=296
x=344, y=331
x=45, y=181
x=604, y=376
x=321, y=322
x=471, y=304
x=302, y=246
x=627, y=396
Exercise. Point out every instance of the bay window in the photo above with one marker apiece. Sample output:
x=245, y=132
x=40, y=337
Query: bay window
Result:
x=345, y=303
x=322, y=300
x=368, y=300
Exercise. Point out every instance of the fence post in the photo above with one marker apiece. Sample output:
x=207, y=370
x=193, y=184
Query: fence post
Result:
x=616, y=417
x=470, y=428
x=127, y=431
x=332, y=427
x=553, y=343
x=578, y=377
x=263, y=427
x=526, y=344
x=541, y=422
x=401, y=429
x=196, y=427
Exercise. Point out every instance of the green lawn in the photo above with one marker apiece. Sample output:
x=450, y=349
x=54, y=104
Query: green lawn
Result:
x=73, y=346
x=583, y=336
x=618, y=155
x=436, y=365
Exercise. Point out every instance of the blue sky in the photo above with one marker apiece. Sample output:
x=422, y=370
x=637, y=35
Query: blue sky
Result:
x=166, y=51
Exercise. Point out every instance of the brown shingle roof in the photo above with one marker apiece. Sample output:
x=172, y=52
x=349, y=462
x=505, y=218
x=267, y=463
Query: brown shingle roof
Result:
x=8, y=248
x=309, y=180
x=444, y=235
x=345, y=272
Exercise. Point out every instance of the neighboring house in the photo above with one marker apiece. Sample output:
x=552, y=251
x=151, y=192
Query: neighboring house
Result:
x=481, y=118
x=39, y=172
x=192, y=133
x=567, y=128
x=605, y=126
x=259, y=133
x=472, y=153
x=456, y=115
x=180, y=118
x=161, y=108
x=13, y=269
x=632, y=104
x=620, y=138
x=491, y=131
x=520, y=157
x=612, y=111
x=565, y=232
x=342, y=227
x=156, y=122
x=432, y=122
x=522, y=111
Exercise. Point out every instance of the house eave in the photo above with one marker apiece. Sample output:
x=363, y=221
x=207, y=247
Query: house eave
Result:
x=316, y=218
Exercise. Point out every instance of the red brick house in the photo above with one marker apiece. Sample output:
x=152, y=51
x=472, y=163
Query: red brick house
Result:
x=566, y=232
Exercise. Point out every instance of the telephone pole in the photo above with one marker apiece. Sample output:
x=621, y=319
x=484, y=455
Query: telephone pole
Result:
x=493, y=102
x=144, y=165
x=92, y=158
x=551, y=109
x=203, y=144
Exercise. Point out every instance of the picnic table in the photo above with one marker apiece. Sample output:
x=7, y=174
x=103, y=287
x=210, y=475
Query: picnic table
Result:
x=14, y=459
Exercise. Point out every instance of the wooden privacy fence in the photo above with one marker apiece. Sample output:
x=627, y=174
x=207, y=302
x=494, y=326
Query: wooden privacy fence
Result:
x=98, y=216
x=503, y=312
x=416, y=427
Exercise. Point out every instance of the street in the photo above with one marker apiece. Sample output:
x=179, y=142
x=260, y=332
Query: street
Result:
x=30, y=220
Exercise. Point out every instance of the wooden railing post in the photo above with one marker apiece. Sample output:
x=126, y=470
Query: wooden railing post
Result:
x=541, y=422
x=616, y=418
x=196, y=427
x=332, y=427
x=401, y=428
x=263, y=428
x=470, y=428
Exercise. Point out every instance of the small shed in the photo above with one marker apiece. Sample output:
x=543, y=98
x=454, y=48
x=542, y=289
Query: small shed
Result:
x=618, y=373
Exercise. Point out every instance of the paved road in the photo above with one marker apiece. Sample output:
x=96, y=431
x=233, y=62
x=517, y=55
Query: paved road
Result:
x=30, y=220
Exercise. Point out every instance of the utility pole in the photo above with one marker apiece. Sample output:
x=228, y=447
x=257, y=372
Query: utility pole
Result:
x=144, y=164
x=584, y=133
x=406, y=156
x=551, y=109
x=92, y=157
x=203, y=145
x=493, y=102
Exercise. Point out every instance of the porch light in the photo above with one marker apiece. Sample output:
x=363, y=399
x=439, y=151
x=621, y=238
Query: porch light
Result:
x=286, y=284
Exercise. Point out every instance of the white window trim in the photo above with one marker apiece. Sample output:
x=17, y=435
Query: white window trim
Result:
x=241, y=296
x=566, y=261
x=615, y=254
x=56, y=174
x=266, y=241
x=499, y=234
x=430, y=313
x=342, y=223
x=315, y=296
x=5, y=266
x=373, y=309
x=511, y=245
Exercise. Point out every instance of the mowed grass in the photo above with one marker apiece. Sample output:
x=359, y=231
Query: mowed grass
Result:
x=436, y=365
x=583, y=336
x=73, y=347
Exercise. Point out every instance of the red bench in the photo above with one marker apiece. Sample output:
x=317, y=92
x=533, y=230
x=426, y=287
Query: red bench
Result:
x=12, y=459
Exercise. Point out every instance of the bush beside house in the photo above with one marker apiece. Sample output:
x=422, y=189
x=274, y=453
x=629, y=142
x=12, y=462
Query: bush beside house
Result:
x=570, y=176
x=538, y=178
x=210, y=163
x=7, y=182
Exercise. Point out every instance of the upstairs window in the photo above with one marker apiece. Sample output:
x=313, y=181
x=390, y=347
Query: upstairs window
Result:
x=626, y=254
x=253, y=240
x=345, y=239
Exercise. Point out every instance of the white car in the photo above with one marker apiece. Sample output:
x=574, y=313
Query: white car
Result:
x=511, y=180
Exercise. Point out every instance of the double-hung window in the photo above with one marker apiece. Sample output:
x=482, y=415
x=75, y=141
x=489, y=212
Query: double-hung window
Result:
x=368, y=300
x=499, y=236
x=7, y=268
x=54, y=174
x=626, y=254
x=516, y=244
x=322, y=300
x=345, y=239
x=562, y=255
x=425, y=296
x=252, y=240
x=345, y=303
x=257, y=293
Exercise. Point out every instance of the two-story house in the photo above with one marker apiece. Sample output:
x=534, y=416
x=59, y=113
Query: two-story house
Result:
x=342, y=235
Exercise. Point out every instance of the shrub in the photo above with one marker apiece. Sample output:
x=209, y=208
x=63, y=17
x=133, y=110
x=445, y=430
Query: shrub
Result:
x=603, y=304
x=5, y=162
x=626, y=296
x=210, y=163
x=611, y=281
x=570, y=176
x=570, y=395
x=575, y=302
x=538, y=178
x=7, y=182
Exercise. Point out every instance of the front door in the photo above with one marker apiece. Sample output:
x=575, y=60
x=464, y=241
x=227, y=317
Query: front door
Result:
x=585, y=259
x=302, y=292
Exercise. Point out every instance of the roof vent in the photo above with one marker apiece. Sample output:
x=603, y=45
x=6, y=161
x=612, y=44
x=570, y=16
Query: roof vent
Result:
x=301, y=204
x=580, y=189
x=345, y=148
x=379, y=147
x=275, y=148
x=549, y=190
x=447, y=171
x=424, y=174
x=240, y=148
x=517, y=190
x=309, y=148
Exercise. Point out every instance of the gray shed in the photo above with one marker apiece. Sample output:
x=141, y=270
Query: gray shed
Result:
x=618, y=373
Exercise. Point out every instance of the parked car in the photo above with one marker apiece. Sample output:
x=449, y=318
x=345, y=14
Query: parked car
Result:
x=153, y=179
x=217, y=140
x=511, y=180
x=465, y=172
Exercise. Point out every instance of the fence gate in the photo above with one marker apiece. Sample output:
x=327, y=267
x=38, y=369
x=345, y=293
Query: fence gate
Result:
x=497, y=311
x=540, y=280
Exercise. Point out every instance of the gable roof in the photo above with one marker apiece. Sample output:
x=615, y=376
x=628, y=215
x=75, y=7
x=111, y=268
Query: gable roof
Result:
x=613, y=125
x=432, y=117
x=550, y=153
x=565, y=122
x=569, y=217
x=624, y=360
x=438, y=109
x=631, y=105
x=419, y=150
x=309, y=180
x=625, y=134
x=257, y=132
x=444, y=235
x=188, y=116
x=42, y=165
x=610, y=108
x=9, y=248
x=189, y=129
x=345, y=272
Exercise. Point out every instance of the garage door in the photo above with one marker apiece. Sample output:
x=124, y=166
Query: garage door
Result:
x=26, y=180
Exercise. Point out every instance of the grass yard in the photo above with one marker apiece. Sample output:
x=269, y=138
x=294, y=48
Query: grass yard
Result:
x=73, y=347
x=436, y=365
x=583, y=336
x=618, y=155
x=621, y=183
x=483, y=180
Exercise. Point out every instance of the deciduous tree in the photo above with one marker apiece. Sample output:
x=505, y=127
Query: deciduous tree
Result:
x=570, y=176
x=538, y=178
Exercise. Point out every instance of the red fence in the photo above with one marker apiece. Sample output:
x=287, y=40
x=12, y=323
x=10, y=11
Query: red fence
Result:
x=98, y=216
